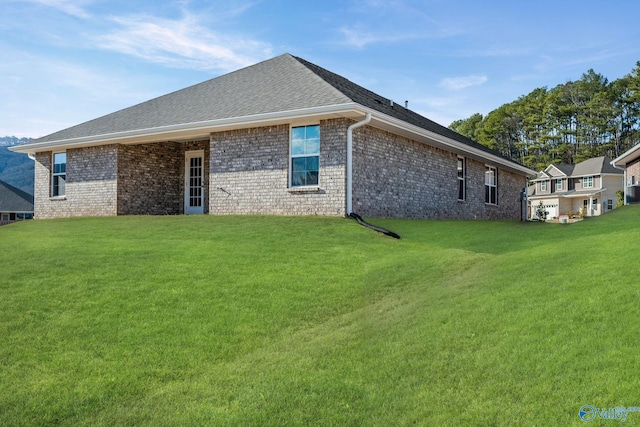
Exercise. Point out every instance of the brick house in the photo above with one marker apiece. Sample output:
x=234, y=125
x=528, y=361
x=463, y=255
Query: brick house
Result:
x=590, y=185
x=283, y=137
x=629, y=163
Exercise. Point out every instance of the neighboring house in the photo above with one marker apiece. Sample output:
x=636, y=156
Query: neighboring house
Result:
x=629, y=163
x=283, y=137
x=15, y=204
x=562, y=189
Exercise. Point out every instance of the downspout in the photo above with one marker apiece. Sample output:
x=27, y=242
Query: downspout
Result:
x=624, y=181
x=349, y=189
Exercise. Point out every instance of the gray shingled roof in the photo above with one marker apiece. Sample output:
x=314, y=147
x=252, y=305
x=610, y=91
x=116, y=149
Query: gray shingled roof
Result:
x=564, y=168
x=284, y=83
x=376, y=102
x=13, y=199
x=279, y=84
x=595, y=166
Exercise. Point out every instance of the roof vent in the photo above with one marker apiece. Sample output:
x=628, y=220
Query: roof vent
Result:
x=391, y=103
x=406, y=104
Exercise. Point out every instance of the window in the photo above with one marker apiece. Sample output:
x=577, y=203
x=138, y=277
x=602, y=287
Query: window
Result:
x=609, y=204
x=587, y=182
x=59, y=175
x=461, y=178
x=491, y=185
x=543, y=185
x=305, y=156
x=558, y=184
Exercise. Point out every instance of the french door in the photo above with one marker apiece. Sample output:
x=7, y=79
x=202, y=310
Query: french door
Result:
x=194, y=182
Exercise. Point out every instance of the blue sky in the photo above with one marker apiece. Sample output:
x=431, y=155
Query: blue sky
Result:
x=68, y=61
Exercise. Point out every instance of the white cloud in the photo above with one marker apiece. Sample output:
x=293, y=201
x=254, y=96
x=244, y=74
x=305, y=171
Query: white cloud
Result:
x=182, y=43
x=458, y=83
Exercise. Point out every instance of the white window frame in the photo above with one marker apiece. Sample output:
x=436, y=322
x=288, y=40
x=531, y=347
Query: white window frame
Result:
x=55, y=176
x=489, y=197
x=543, y=185
x=293, y=156
x=591, y=182
x=462, y=178
x=559, y=184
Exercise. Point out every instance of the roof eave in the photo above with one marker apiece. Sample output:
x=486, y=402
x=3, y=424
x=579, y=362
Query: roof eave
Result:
x=628, y=156
x=444, y=142
x=188, y=131
x=203, y=129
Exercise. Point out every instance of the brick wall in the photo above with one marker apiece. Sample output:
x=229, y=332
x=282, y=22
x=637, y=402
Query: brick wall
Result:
x=90, y=184
x=397, y=177
x=151, y=177
x=148, y=179
x=633, y=169
x=250, y=172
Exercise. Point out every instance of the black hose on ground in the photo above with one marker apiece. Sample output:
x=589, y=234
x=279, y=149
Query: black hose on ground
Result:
x=373, y=227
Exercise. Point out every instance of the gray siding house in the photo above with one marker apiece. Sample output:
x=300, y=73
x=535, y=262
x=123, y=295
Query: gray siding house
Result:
x=562, y=189
x=283, y=137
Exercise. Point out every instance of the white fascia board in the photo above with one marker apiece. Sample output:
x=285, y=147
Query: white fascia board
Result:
x=552, y=166
x=596, y=174
x=547, y=178
x=585, y=194
x=451, y=144
x=631, y=154
x=190, y=130
x=203, y=129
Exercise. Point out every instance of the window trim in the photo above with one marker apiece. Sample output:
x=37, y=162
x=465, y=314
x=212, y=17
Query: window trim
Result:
x=591, y=180
x=559, y=184
x=55, y=175
x=462, y=180
x=487, y=186
x=292, y=156
x=543, y=185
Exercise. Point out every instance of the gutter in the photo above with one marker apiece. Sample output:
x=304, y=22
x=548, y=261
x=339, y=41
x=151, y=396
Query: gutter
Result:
x=188, y=130
x=349, y=189
x=450, y=144
x=624, y=178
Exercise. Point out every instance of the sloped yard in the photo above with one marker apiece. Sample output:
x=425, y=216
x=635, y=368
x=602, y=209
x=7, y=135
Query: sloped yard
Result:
x=317, y=321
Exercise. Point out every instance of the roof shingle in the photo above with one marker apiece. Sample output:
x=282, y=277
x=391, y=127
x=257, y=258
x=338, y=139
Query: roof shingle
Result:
x=13, y=199
x=284, y=83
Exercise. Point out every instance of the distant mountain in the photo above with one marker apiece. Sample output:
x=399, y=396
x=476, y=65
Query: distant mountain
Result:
x=15, y=168
x=12, y=140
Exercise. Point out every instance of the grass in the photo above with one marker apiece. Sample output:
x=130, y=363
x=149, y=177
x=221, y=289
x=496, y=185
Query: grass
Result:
x=317, y=321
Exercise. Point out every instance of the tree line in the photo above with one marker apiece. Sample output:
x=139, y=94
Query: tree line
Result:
x=570, y=123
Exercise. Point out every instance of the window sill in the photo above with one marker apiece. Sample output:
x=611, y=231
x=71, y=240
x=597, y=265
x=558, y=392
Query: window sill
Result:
x=303, y=190
x=56, y=198
x=494, y=205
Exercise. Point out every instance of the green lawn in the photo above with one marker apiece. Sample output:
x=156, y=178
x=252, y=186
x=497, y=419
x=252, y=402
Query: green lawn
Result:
x=317, y=321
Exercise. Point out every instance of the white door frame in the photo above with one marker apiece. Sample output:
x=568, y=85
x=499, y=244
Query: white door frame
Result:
x=188, y=187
